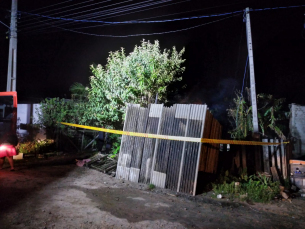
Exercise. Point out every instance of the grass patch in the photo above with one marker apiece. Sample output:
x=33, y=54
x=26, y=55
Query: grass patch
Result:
x=151, y=186
x=256, y=188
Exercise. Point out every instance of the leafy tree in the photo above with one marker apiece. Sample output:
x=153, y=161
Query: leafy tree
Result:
x=134, y=78
x=270, y=114
x=78, y=91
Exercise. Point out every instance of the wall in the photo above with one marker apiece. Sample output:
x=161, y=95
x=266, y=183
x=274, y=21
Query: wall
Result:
x=27, y=114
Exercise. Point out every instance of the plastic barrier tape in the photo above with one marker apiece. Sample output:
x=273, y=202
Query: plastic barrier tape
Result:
x=174, y=138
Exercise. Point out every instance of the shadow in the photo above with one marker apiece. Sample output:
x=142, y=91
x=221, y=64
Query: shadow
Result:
x=28, y=178
x=204, y=180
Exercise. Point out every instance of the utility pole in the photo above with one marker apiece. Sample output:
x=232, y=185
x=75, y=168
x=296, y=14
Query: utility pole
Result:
x=251, y=68
x=12, y=56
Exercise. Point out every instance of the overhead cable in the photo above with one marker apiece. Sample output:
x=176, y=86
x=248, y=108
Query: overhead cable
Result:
x=143, y=34
x=96, y=13
x=59, y=9
x=87, y=27
x=4, y=24
x=73, y=9
x=128, y=22
x=157, y=21
x=109, y=12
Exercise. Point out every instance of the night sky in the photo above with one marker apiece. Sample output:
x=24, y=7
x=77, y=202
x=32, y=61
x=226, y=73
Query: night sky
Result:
x=51, y=59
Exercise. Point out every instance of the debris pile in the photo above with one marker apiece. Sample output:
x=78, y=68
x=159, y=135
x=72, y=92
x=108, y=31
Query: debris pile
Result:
x=102, y=163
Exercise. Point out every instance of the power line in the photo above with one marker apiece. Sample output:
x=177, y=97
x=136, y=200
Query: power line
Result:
x=87, y=27
x=128, y=22
x=77, y=8
x=157, y=21
x=114, y=16
x=52, y=5
x=4, y=24
x=110, y=13
x=101, y=12
x=160, y=15
x=143, y=34
x=73, y=5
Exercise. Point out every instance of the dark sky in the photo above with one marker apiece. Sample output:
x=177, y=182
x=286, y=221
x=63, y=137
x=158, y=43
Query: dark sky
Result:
x=50, y=59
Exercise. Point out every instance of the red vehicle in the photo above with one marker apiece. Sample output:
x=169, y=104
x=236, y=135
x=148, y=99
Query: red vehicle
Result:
x=8, y=113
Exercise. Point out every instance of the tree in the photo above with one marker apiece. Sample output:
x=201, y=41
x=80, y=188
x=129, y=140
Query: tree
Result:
x=134, y=78
x=270, y=114
x=78, y=91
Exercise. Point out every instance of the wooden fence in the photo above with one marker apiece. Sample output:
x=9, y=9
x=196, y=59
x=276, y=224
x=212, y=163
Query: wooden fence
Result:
x=275, y=159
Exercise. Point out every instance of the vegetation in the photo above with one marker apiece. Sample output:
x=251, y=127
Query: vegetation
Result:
x=270, y=114
x=256, y=188
x=36, y=146
x=151, y=186
x=134, y=78
x=116, y=145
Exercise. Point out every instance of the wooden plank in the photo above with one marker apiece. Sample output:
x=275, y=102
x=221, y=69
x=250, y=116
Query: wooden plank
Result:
x=278, y=157
x=266, y=158
x=272, y=154
x=219, y=134
x=206, y=134
x=243, y=156
x=274, y=174
x=210, y=148
x=237, y=159
x=284, y=161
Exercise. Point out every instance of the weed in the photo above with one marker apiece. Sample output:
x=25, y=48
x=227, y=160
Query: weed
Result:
x=151, y=186
x=256, y=188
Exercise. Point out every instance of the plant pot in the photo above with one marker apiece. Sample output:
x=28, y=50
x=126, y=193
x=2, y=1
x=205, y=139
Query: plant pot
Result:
x=18, y=157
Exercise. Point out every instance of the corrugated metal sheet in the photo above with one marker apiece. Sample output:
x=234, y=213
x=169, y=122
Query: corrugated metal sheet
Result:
x=165, y=163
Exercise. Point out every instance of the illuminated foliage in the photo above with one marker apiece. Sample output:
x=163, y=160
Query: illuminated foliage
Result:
x=270, y=113
x=134, y=78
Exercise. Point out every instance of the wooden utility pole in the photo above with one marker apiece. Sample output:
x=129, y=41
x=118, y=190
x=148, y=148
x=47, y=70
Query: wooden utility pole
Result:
x=12, y=56
x=251, y=68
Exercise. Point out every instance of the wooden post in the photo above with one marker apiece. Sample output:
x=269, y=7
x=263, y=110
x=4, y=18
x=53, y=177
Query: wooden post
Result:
x=272, y=154
x=266, y=157
x=244, y=156
x=278, y=157
x=284, y=161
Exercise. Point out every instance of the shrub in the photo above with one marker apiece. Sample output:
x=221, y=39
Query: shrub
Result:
x=35, y=146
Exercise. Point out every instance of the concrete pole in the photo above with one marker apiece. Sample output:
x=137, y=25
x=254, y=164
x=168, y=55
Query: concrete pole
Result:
x=252, y=77
x=12, y=56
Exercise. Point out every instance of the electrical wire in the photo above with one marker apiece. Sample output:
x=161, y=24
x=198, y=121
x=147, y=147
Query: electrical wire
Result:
x=115, y=10
x=128, y=22
x=160, y=15
x=128, y=9
x=52, y=6
x=144, y=34
x=4, y=24
x=73, y=5
x=80, y=8
x=157, y=21
x=41, y=30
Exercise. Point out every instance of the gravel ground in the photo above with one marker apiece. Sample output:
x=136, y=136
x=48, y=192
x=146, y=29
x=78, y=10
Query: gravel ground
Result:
x=55, y=193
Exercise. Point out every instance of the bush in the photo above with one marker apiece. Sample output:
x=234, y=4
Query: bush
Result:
x=35, y=146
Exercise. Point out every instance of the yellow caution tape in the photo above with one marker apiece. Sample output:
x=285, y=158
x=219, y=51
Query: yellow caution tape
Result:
x=174, y=138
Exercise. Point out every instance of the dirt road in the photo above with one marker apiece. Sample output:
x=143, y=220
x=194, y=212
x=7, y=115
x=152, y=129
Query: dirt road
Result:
x=62, y=195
